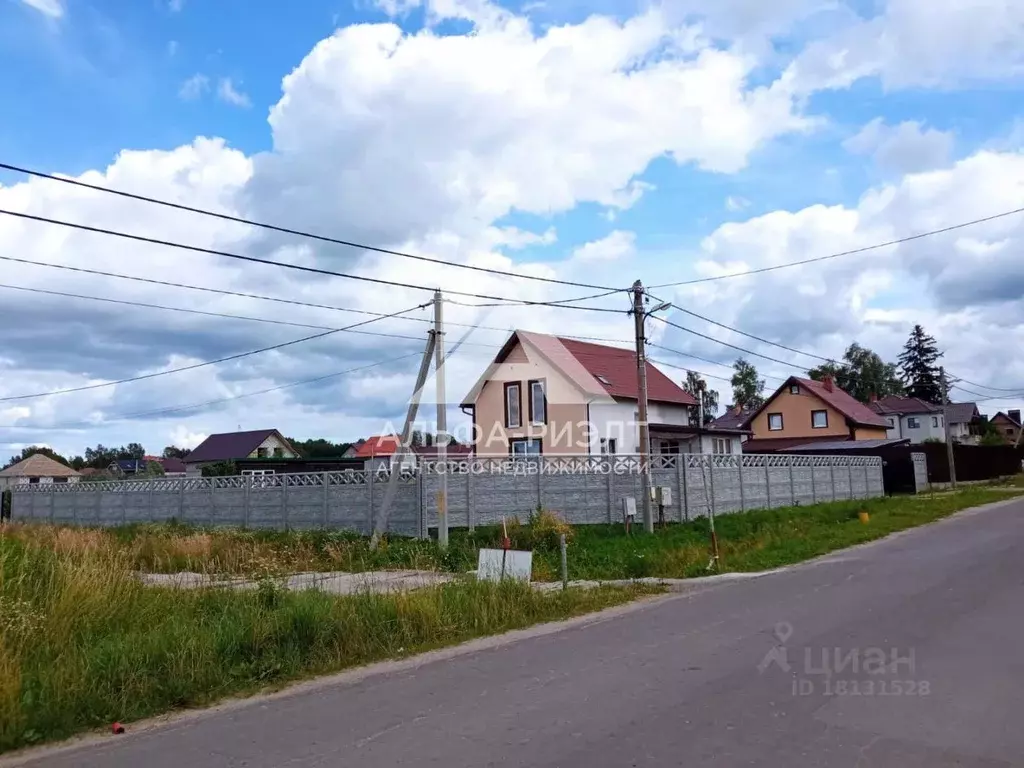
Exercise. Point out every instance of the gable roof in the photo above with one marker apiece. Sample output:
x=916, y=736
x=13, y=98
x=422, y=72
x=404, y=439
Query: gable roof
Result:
x=961, y=413
x=172, y=465
x=595, y=369
x=377, y=445
x=38, y=465
x=731, y=420
x=1007, y=417
x=839, y=399
x=232, y=445
x=615, y=368
x=894, y=405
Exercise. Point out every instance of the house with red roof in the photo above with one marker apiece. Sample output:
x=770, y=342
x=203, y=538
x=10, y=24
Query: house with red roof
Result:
x=549, y=395
x=381, y=452
x=804, y=411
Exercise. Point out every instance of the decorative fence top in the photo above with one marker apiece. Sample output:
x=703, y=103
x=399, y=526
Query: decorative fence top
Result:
x=528, y=465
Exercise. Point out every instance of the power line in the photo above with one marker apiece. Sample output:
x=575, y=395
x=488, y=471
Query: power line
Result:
x=227, y=315
x=725, y=343
x=192, y=367
x=298, y=267
x=864, y=249
x=299, y=233
x=984, y=386
x=193, y=406
x=752, y=336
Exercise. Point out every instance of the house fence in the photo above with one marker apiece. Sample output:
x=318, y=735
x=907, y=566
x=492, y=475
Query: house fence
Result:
x=587, y=489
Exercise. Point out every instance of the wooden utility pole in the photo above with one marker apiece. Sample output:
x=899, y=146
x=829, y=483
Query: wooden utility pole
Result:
x=945, y=424
x=639, y=318
x=441, y=438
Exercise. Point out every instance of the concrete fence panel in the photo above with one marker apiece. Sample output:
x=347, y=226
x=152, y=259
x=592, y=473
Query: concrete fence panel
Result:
x=582, y=490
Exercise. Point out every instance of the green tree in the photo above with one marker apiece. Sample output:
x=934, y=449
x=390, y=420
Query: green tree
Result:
x=697, y=387
x=416, y=439
x=318, y=448
x=154, y=469
x=747, y=388
x=220, y=469
x=131, y=451
x=100, y=457
x=174, y=452
x=32, y=450
x=918, y=367
x=862, y=374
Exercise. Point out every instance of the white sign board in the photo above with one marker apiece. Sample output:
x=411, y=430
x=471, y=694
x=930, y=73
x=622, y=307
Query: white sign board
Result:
x=495, y=564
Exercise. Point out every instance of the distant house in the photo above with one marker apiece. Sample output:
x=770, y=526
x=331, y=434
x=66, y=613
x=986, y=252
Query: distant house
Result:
x=547, y=395
x=803, y=411
x=173, y=467
x=733, y=421
x=128, y=467
x=1009, y=425
x=911, y=418
x=963, y=422
x=381, y=452
x=37, y=468
x=229, y=446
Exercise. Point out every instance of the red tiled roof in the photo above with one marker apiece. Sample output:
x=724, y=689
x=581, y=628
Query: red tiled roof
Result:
x=377, y=445
x=843, y=402
x=615, y=369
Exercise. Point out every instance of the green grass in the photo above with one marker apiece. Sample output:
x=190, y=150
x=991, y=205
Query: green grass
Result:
x=755, y=540
x=748, y=541
x=84, y=644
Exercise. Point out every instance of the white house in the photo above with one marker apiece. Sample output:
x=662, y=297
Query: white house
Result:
x=911, y=418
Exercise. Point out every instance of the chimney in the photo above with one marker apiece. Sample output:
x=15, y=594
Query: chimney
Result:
x=1015, y=415
x=874, y=398
x=737, y=409
x=830, y=385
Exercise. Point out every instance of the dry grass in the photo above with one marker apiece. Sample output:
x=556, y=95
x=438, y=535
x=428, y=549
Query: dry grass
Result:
x=83, y=643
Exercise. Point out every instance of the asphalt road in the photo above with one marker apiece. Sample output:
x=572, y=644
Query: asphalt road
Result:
x=686, y=679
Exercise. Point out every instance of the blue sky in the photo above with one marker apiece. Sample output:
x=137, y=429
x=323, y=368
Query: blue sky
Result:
x=596, y=142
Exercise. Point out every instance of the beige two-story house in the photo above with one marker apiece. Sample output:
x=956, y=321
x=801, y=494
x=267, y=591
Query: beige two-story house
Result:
x=804, y=411
x=555, y=396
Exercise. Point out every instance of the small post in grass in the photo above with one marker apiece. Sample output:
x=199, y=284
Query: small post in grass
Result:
x=565, y=562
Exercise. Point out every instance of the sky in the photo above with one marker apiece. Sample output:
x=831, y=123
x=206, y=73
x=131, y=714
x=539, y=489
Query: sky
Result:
x=591, y=143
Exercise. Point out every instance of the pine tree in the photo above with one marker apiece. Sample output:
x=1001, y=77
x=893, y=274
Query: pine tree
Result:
x=918, y=367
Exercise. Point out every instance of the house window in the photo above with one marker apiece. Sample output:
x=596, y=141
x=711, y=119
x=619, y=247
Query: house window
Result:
x=261, y=453
x=538, y=403
x=722, y=445
x=1009, y=430
x=892, y=423
x=278, y=452
x=794, y=389
x=513, y=417
x=670, y=446
x=913, y=422
x=35, y=480
x=935, y=421
x=530, y=446
x=775, y=422
x=819, y=419
x=607, y=445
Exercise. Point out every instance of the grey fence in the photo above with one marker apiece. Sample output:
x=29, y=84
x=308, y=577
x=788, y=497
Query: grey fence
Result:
x=479, y=491
x=346, y=500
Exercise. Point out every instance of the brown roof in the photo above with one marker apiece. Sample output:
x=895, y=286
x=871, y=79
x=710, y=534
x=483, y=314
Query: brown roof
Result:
x=231, y=445
x=895, y=405
x=38, y=465
x=731, y=419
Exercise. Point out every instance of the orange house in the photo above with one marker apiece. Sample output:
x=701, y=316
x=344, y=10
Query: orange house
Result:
x=805, y=411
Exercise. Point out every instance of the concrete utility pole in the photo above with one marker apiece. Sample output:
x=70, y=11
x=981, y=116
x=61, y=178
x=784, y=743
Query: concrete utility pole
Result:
x=381, y=519
x=639, y=316
x=945, y=424
x=441, y=439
